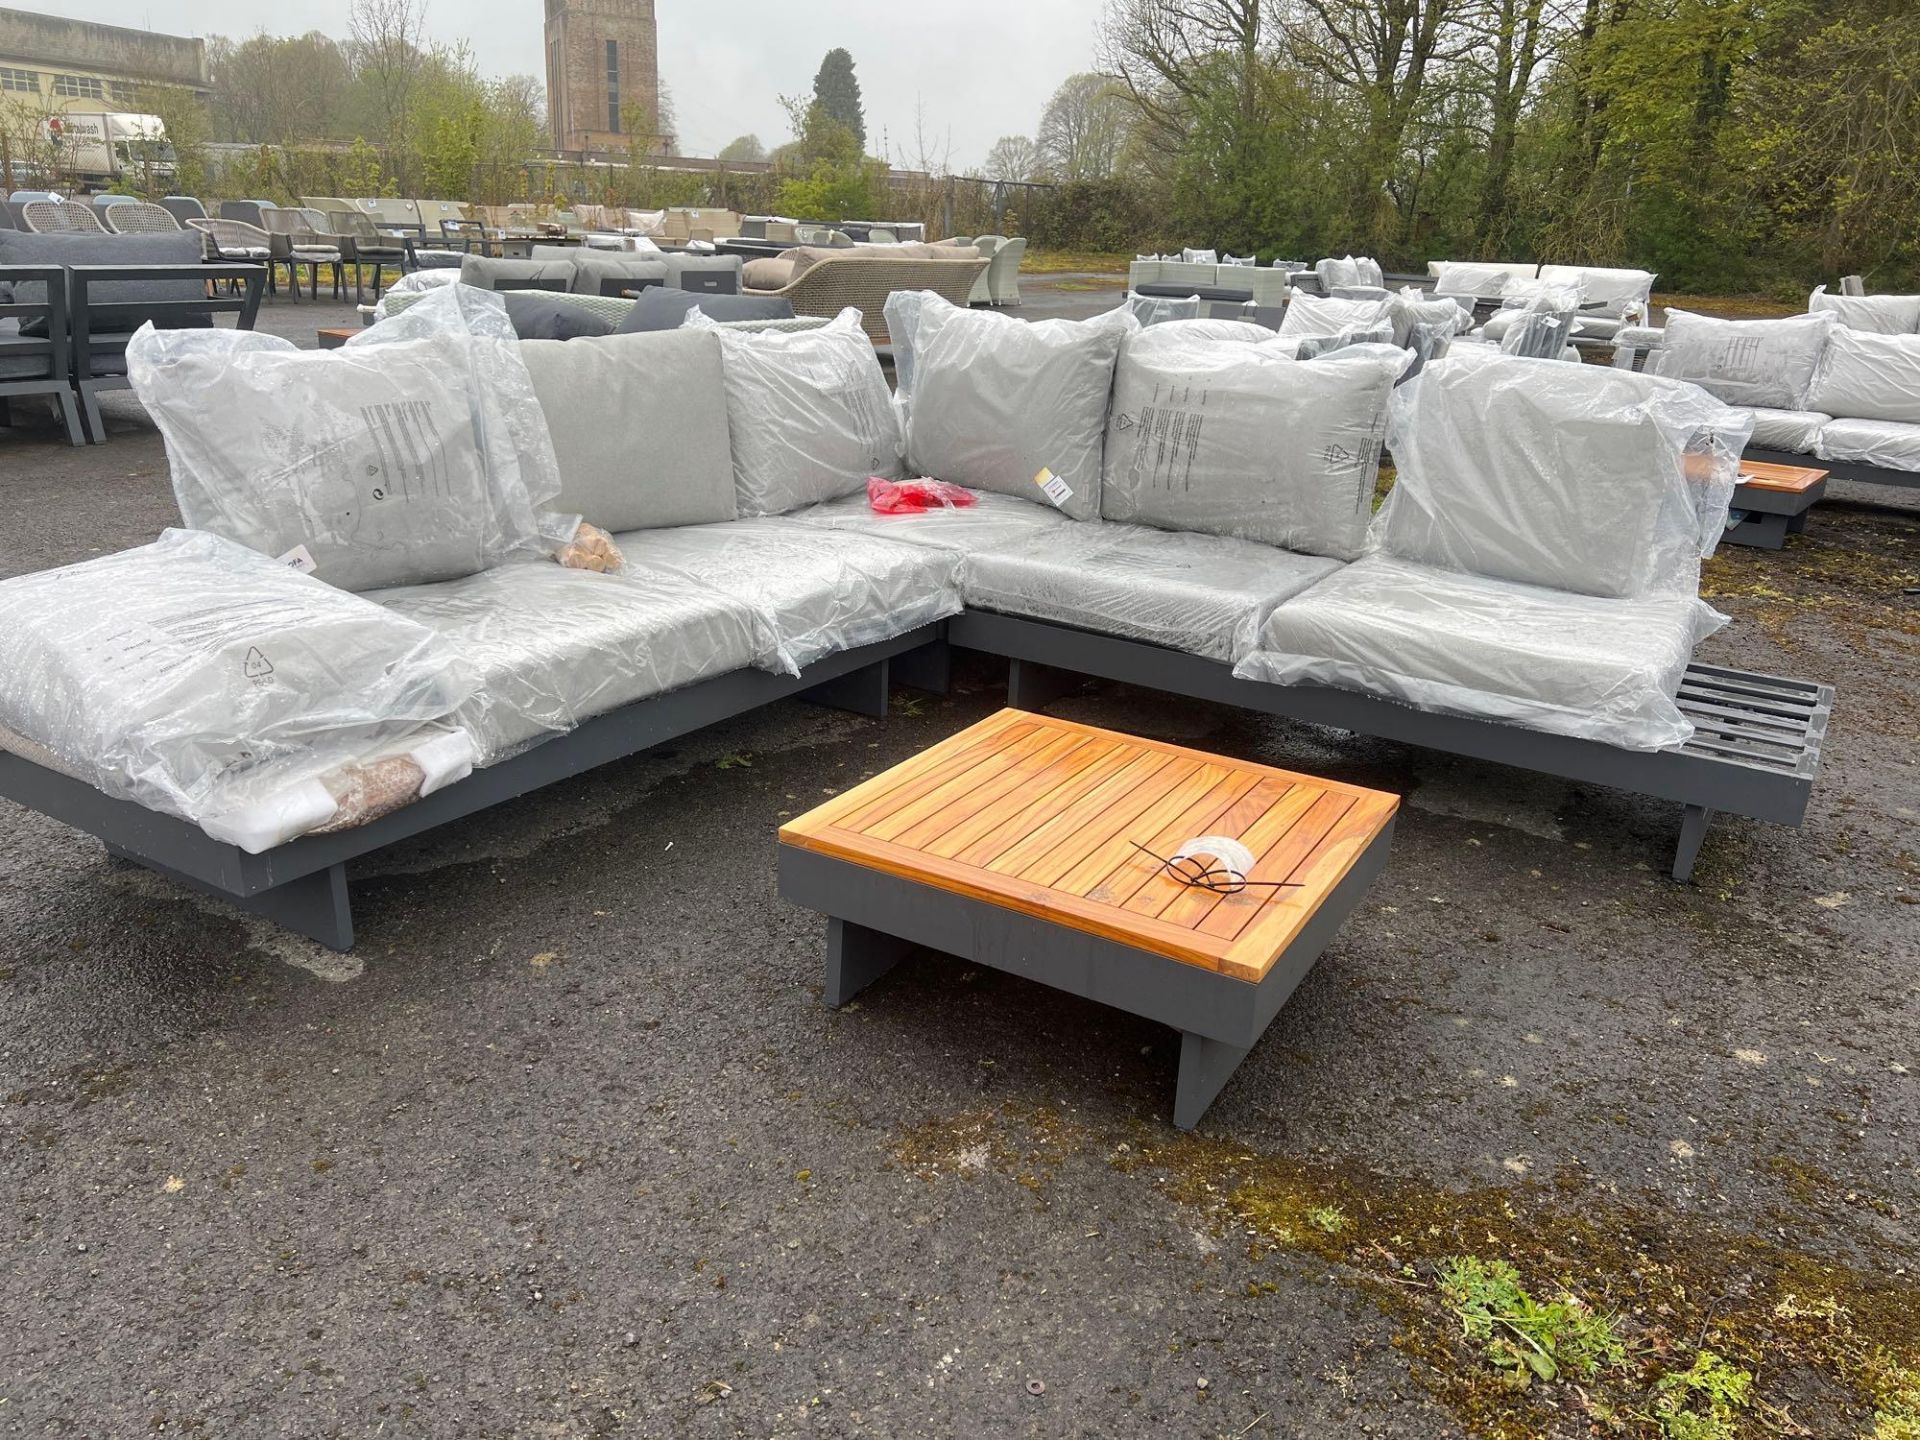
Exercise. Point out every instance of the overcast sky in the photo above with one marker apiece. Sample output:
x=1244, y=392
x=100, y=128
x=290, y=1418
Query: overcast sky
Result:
x=981, y=69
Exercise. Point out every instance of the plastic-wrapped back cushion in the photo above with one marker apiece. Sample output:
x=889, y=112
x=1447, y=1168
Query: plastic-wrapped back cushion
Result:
x=1204, y=594
x=1317, y=315
x=990, y=521
x=1576, y=477
x=995, y=400
x=810, y=414
x=1889, y=444
x=546, y=648
x=416, y=452
x=1159, y=309
x=1205, y=329
x=1794, y=430
x=1232, y=439
x=1605, y=670
x=1764, y=363
x=639, y=425
x=1416, y=318
x=1479, y=281
x=1877, y=314
x=1348, y=271
x=1620, y=294
x=902, y=310
x=412, y=284
x=818, y=591
x=1867, y=377
x=199, y=678
x=1200, y=257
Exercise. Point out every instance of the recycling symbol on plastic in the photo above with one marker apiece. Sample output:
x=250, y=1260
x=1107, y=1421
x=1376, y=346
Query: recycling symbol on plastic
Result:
x=256, y=666
x=1124, y=422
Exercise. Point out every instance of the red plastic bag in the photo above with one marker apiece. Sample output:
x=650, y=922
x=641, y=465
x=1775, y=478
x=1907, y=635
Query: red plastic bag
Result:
x=914, y=497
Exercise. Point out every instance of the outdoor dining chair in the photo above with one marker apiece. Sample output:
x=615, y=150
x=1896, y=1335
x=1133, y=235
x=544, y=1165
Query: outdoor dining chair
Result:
x=236, y=242
x=295, y=238
x=362, y=243
x=139, y=218
x=60, y=217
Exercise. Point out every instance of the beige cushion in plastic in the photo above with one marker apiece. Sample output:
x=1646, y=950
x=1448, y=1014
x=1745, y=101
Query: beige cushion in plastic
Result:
x=769, y=272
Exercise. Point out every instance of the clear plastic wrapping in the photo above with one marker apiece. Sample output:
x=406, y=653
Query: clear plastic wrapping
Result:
x=992, y=520
x=1159, y=309
x=817, y=591
x=1319, y=315
x=1797, y=431
x=809, y=413
x=1204, y=594
x=201, y=679
x=1613, y=293
x=1597, y=669
x=1192, y=441
x=1863, y=376
x=996, y=400
x=1478, y=280
x=1574, y=477
x=416, y=452
x=1888, y=444
x=1763, y=363
x=545, y=648
x=1877, y=314
x=1348, y=271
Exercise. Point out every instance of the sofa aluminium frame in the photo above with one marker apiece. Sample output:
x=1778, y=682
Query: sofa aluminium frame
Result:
x=1755, y=752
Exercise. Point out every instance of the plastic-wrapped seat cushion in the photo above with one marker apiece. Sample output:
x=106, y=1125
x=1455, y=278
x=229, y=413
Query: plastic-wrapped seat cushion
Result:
x=1618, y=294
x=1477, y=280
x=416, y=452
x=1159, y=309
x=991, y=520
x=1318, y=315
x=1232, y=439
x=546, y=648
x=1888, y=444
x=1599, y=669
x=1868, y=377
x=1205, y=594
x=1767, y=364
x=639, y=425
x=1208, y=328
x=1877, y=314
x=1794, y=430
x=818, y=591
x=1575, y=477
x=995, y=400
x=810, y=414
x=197, y=677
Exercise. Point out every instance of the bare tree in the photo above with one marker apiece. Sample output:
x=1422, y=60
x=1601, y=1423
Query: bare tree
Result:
x=1013, y=157
x=1173, y=57
x=388, y=39
x=1084, y=128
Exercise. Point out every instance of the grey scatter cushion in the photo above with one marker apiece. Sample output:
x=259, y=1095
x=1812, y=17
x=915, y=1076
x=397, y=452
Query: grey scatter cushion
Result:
x=996, y=400
x=810, y=415
x=1234, y=439
x=639, y=424
x=660, y=308
x=21, y=247
x=540, y=315
x=484, y=272
x=601, y=272
x=1764, y=363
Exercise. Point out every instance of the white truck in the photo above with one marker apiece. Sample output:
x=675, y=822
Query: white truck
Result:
x=100, y=148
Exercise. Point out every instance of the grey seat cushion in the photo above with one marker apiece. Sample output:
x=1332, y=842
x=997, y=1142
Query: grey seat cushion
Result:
x=1596, y=668
x=1204, y=594
x=1887, y=444
x=547, y=648
x=818, y=592
x=660, y=308
x=17, y=366
x=21, y=247
x=540, y=315
x=1795, y=430
x=991, y=521
x=639, y=425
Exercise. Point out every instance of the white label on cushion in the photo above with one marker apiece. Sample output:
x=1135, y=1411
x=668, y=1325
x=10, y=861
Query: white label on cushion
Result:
x=300, y=558
x=1057, y=490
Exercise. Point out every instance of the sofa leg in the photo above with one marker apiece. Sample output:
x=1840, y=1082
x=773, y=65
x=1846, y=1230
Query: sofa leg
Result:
x=1693, y=830
x=314, y=905
x=1205, y=1067
x=95, y=428
x=863, y=691
x=929, y=668
x=1031, y=686
x=856, y=957
x=69, y=411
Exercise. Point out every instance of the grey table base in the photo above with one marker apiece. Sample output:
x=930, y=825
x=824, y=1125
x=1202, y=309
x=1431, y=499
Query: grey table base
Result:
x=1764, y=518
x=302, y=885
x=876, y=919
x=1755, y=751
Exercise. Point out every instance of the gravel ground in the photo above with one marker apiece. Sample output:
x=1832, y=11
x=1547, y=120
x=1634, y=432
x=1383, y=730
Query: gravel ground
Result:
x=569, y=1147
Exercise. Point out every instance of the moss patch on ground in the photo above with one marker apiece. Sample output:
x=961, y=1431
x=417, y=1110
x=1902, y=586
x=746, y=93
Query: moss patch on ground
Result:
x=1057, y=262
x=1530, y=1310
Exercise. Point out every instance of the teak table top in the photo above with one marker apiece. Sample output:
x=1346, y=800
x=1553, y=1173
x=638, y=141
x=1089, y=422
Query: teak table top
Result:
x=1787, y=479
x=1037, y=814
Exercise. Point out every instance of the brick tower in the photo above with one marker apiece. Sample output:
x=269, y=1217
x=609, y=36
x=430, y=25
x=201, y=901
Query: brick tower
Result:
x=603, y=74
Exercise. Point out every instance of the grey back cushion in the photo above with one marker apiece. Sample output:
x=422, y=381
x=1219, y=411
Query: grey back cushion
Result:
x=21, y=247
x=1864, y=376
x=639, y=425
x=995, y=400
x=600, y=272
x=658, y=308
x=1879, y=314
x=540, y=315
x=486, y=273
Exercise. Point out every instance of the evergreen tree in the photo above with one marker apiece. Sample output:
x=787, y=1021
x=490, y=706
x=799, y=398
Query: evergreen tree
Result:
x=837, y=91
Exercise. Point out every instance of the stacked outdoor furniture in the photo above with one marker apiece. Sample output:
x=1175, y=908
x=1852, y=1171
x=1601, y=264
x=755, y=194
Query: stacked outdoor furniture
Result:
x=1609, y=299
x=381, y=641
x=1204, y=275
x=1838, y=386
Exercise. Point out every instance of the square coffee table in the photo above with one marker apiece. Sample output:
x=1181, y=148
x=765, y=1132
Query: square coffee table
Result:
x=1015, y=843
x=1772, y=502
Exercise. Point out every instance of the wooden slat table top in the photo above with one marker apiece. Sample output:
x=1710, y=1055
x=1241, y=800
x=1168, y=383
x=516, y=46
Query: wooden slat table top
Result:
x=1040, y=815
x=1787, y=479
